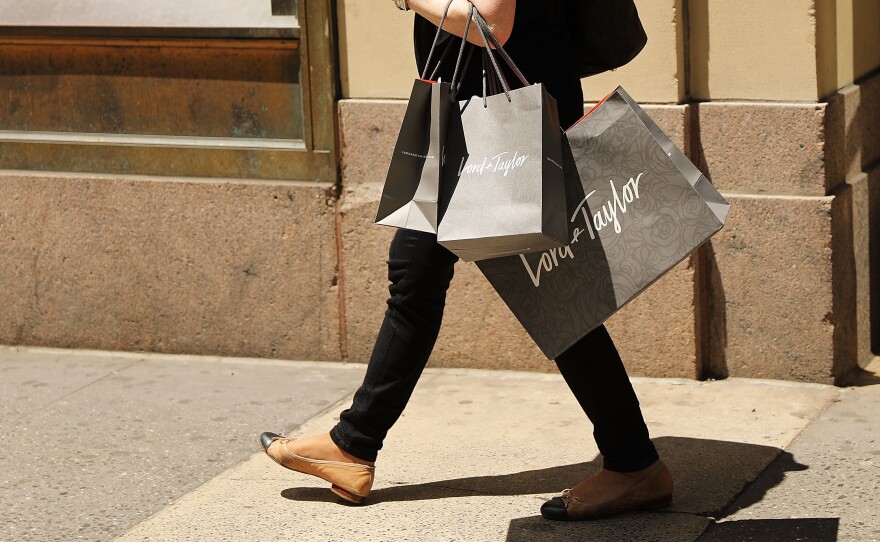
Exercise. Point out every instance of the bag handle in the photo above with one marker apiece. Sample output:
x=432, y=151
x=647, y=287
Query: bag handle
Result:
x=487, y=74
x=491, y=84
x=434, y=45
x=487, y=36
x=456, y=82
x=481, y=23
x=489, y=40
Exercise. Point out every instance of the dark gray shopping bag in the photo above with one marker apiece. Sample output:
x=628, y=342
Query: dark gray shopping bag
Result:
x=411, y=192
x=503, y=184
x=636, y=207
x=412, y=186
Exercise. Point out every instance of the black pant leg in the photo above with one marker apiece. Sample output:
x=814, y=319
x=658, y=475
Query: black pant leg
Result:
x=593, y=370
x=420, y=271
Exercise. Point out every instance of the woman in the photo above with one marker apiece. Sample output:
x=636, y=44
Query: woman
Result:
x=633, y=477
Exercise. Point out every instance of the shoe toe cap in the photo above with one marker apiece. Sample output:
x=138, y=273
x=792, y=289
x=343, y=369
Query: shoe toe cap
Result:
x=554, y=509
x=267, y=438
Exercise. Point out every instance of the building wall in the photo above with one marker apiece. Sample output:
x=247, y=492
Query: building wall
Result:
x=175, y=265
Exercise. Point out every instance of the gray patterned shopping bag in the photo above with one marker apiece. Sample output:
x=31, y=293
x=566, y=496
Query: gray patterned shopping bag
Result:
x=636, y=206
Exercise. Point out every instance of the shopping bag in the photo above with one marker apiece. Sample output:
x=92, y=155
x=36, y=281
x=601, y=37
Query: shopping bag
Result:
x=603, y=34
x=503, y=184
x=412, y=186
x=636, y=207
x=411, y=191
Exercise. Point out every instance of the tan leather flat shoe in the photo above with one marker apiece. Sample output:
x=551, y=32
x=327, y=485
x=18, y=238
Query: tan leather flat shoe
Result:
x=643, y=490
x=351, y=481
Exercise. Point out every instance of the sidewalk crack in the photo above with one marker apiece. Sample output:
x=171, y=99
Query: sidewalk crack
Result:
x=112, y=373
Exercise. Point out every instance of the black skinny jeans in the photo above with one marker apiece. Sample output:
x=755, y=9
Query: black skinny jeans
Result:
x=420, y=271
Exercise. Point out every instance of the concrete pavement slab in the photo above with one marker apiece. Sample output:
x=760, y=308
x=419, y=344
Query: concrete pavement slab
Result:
x=826, y=488
x=28, y=382
x=718, y=436
x=116, y=437
x=477, y=452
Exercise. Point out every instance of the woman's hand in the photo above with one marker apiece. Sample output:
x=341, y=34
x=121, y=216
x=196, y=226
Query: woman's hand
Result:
x=498, y=13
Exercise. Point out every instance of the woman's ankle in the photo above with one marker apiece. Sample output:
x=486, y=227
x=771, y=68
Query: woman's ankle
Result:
x=341, y=446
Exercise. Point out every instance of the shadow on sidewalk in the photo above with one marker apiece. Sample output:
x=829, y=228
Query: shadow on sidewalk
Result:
x=803, y=530
x=673, y=528
x=709, y=475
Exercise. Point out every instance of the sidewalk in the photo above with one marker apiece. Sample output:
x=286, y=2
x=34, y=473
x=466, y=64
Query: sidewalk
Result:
x=472, y=458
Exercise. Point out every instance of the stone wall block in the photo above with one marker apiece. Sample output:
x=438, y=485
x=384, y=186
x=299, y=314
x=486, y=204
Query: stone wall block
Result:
x=869, y=125
x=853, y=128
x=873, y=255
x=864, y=213
x=763, y=148
x=848, y=228
x=655, y=333
x=368, y=132
x=196, y=267
x=843, y=131
x=479, y=331
x=776, y=309
x=674, y=120
x=364, y=256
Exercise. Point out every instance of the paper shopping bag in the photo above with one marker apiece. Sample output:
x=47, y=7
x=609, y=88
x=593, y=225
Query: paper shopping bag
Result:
x=411, y=191
x=636, y=206
x=503, y=184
